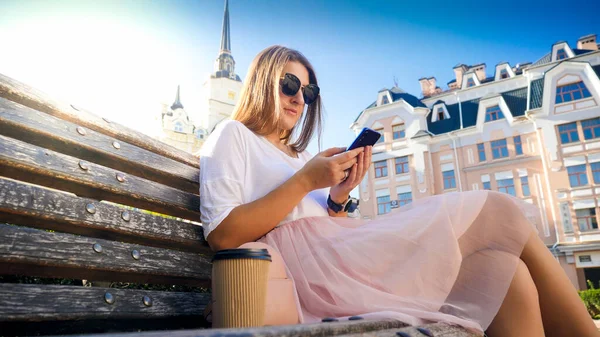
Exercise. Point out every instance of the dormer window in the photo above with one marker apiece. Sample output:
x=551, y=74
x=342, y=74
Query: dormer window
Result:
x=503, y=73
x=493, y=113
x=398, y=131
x=571, y=92
x=440, y=113
x=178, y=127
x=384, y=100
x=561, y=54
x=381, y=139
x=470, y=82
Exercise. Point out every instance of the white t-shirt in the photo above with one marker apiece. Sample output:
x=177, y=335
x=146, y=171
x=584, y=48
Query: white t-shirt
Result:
x=238, y=166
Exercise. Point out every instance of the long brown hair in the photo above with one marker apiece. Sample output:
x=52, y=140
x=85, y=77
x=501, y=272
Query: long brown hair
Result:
x=259, y=107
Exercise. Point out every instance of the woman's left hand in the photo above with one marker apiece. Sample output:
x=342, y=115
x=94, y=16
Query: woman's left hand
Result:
x=340, y=192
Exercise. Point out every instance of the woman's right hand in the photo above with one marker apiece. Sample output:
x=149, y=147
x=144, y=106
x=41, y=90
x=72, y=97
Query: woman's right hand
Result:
x=327, y=168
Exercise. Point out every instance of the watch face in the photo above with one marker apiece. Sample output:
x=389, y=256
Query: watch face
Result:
x=351, y=205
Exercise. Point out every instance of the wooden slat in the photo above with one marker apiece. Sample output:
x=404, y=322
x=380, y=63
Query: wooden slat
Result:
x=21, y=93
x=31, y=126
x=39, y=302
x=436, y=329
x=30, y=163
x=362, y=328
x=27, y=251
x=28, y=205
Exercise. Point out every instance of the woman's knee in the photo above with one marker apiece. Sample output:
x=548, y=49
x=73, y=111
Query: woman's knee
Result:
x=277, y=267
x=523, y=286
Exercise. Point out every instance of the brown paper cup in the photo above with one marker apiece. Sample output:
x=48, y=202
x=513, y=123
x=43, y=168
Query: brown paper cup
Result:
x=239, y=287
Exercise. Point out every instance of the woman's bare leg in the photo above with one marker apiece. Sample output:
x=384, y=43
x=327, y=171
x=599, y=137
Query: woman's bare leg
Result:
x=520, y=313
x=563, y=311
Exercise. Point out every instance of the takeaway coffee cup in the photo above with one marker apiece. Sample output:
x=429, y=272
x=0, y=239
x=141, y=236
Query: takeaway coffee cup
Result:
x=239, y=287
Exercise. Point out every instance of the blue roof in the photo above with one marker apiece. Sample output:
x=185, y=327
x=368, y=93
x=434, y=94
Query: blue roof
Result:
x=537, y=92
x=545, y=59
x=469, y=110
x=397, y=94
x=581, y=51
x=597, y=70
x=516, y=100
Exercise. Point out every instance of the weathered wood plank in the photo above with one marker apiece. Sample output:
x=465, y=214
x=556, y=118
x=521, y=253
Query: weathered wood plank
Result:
x=27, y=251
x=38, y=302
x=298, y=330
x=21, y=93
x=35, y=206
x=31, y=126
x=30, y=163
x=436, y=329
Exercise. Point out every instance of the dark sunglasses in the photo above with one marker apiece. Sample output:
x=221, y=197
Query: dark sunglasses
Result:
x=290, y=84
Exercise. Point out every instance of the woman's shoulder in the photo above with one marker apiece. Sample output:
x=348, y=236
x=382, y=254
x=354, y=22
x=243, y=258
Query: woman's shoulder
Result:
x=227, y=134
x=230, y=126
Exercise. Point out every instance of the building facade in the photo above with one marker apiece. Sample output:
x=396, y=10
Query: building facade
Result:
x=187, y=131
x=530, y=130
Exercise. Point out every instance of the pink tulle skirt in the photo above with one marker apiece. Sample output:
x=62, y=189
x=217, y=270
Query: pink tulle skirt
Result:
x=446, y=258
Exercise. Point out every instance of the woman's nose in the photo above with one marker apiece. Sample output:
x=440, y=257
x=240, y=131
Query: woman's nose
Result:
x=298, y=98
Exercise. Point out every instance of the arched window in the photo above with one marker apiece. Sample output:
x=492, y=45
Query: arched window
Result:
x=561, y=54
x=440, y=112
x=503, y=73
x=178, y=127
x=571, y=92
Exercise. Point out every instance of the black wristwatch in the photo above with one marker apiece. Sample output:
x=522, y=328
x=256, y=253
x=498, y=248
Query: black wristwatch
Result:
x=349, y=205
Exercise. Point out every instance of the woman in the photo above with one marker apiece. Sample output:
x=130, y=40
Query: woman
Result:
x=470, y=258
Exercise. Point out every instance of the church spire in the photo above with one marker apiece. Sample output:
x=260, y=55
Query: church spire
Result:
x=177, y=104
x=224, y=64
x=225, y=44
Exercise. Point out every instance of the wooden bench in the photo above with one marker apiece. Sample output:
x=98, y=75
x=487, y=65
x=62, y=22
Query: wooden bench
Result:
x=84, y=198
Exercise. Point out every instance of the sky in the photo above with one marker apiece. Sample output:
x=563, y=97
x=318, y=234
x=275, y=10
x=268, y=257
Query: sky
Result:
x=122, y=59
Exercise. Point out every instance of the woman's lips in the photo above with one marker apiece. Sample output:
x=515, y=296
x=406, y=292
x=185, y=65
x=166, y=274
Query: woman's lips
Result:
x=291, y=111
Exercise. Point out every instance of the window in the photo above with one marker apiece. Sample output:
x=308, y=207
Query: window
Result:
x=384, y=100
x=525, y=186
x=399, y=131
x=449, y=179
x=596, y=172
x=487, y=186
x=380, y=140
x=499, y=149
x=591, y=128
x=518, y=145
x=571, y=92
x=470, y=82
x=507, y=186
x=503, y=73
x=586, y=219
x=404, y=198
x=383, y=204
x=401, y=165
x=178, y=127
x=493, y=113
x=568, y=133
x=577, y=175
x=481, y=151
x=440, y=112
x=561, y=54
x=380, y=169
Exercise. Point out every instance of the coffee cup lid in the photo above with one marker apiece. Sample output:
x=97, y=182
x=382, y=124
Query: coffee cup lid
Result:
x=242, y=253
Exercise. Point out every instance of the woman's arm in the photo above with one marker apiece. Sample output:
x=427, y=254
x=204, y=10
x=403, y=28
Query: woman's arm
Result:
x=251, y=221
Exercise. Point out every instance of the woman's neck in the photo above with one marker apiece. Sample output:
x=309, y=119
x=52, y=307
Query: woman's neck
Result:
x=274, y=139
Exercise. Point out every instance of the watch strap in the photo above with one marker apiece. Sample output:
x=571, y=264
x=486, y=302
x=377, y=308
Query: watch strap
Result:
x=334, y=206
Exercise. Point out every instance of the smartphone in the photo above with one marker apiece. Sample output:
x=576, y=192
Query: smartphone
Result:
x=366, y=137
